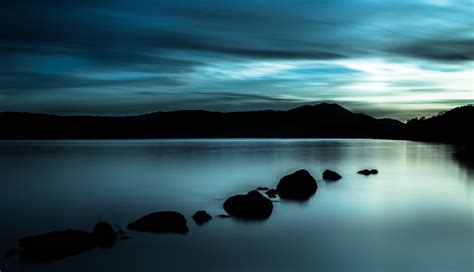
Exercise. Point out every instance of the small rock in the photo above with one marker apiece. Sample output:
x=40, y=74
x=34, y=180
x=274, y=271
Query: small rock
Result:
x=55, y=245
x=253, y=205
x=331, y=175
x=299, y=185
x=367, y=172
x=223, y=215
x=11, y=252
x=161, y=222
x=272, y=193
x=201, y=217
x=120, y=232
x=104, y=234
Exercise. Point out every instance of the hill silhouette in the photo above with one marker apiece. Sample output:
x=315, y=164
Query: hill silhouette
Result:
x=318, y=121
x=453, y=126
x=323, y=120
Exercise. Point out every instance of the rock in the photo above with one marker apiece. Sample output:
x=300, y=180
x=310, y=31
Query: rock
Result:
x=297, y=186
x=223, y=215
x=55, y=245
x=104, y=234
x=201, y=217
x=125, y=237
x=120, y=232
x=11, y=252
x=250, y=206
x=272, y=193
x=161, y=222
x=331, y=175
x=367, y=172
x=262, y=188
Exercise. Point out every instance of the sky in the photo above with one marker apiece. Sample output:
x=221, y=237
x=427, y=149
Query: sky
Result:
x=397, y=59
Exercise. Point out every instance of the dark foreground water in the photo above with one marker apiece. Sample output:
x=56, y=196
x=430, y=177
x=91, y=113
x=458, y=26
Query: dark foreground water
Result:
x=417, y=214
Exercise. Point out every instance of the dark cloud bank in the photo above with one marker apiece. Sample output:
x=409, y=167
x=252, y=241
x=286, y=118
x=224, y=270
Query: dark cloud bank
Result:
x=125, y=57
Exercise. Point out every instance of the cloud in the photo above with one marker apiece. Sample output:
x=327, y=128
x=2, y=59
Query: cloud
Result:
x=439, y=50
x=114, y=52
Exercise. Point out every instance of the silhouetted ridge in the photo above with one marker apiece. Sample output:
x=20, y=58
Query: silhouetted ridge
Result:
x=322, y=108
x=323, y=120
x=453, y=126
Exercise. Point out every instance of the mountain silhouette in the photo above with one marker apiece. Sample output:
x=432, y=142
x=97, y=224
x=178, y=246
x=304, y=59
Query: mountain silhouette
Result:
x=323, y=120
x=454, y=126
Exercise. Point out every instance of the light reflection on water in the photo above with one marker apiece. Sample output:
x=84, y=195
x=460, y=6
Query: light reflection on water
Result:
x=417, y=214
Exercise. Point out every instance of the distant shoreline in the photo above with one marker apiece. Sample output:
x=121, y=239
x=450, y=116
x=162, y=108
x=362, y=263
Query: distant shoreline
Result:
x=321, y=121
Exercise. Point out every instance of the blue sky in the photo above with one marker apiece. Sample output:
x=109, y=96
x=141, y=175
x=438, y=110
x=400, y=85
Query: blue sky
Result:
x=396, y=59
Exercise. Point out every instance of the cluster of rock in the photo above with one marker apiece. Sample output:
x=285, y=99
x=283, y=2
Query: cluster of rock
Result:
x=298, y=186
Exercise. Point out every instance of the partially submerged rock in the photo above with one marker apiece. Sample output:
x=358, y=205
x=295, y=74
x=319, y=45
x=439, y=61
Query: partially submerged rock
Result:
x=253, y=205
x=262, y=188
x=167, y=221
x=11, y=252
x=331, y=175
x=299, y=185
x=272, y=193
x=367, y=172
x=201, y=217
x=120, y=232
x=104, y=234
x=55, y=245
x=223, y=215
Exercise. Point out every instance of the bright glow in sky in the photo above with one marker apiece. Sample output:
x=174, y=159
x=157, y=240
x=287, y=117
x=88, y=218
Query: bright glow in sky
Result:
x=396, y=59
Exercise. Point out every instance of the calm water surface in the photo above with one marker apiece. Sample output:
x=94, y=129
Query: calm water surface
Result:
x=417, y=214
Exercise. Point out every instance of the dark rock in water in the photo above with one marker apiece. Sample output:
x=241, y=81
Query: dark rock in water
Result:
x=223, y=215
x=11, y=252
x=262, y=188
x=367, y=172
x=331, y=175
x=55, y=245
x=297, y=186
x=161, y=222
x=125, y=237
x=120, y=232
x=201, y=217
x=104, y=234
x=250, y=206
x=272, y=193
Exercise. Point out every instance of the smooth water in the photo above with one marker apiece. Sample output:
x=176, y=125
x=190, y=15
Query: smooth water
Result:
x=417, y=214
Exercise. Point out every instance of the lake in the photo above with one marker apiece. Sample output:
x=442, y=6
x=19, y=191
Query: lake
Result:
x=417, y=214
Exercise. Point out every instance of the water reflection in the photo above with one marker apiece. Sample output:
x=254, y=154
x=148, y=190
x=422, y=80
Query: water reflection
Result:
x=464, y=156
x=415, y=215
